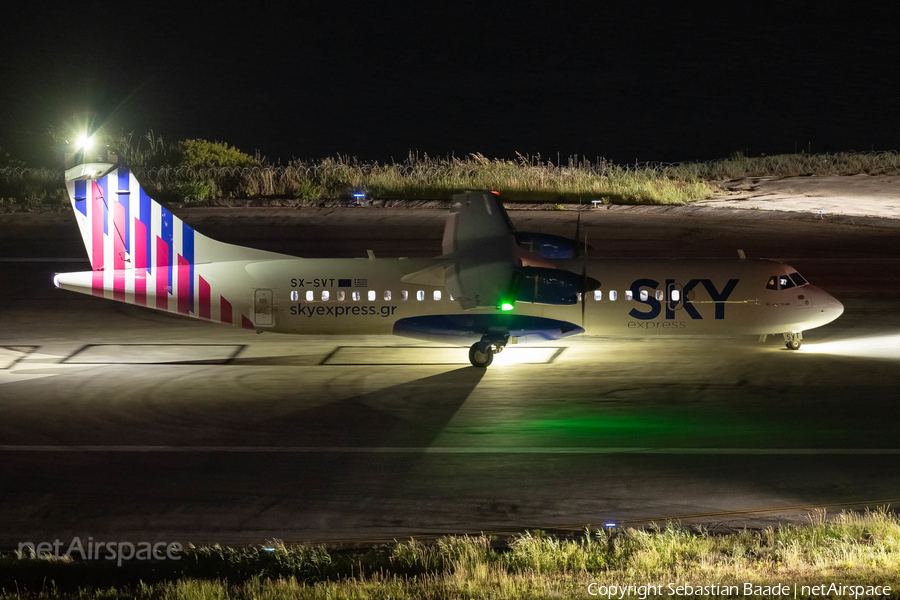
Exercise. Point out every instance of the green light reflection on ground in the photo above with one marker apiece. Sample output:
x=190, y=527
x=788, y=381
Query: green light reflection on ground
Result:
x=633, y=429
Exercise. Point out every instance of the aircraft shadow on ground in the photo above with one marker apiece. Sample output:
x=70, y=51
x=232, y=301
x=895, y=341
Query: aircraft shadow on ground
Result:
x=409, y=414
x=348, y=486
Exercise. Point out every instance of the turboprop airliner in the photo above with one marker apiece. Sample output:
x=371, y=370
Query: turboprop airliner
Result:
x=492, y=285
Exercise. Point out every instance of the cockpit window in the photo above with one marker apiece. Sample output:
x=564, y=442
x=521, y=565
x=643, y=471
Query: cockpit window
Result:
x=784, y=282
x=798, y=279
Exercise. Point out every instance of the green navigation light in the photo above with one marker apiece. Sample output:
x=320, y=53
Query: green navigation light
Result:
x=506, y=306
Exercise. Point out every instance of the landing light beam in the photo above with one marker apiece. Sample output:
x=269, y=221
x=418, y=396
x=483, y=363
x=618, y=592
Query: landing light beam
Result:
x=881, y=346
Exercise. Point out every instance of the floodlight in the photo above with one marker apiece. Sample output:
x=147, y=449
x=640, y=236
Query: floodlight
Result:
x=85, y=142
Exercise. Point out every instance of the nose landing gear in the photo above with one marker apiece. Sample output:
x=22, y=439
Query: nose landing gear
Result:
x=792, y=340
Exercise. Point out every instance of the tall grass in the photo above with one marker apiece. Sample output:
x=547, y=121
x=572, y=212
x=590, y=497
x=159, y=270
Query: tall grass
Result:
x=524, y=179
x=31, y=187
x=427, y=178
x=853, y=548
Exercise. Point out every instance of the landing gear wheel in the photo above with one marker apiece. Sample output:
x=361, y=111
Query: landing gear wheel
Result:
x=792, y=340
x=481, y=355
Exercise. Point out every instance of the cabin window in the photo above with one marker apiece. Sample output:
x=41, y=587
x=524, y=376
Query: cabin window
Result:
x=387, y=295
x=437, y=295
x=784, y=282
x=773, y=283
x=598, y=295
x=295, y=295
x=629, y=295
x=420, y=295
x=613, y=294
x=310, y=295
x=371, y=295
x=644, y=295
x=326, y=295
x=659, y=295
x=404, y=295
x=341, y=295
x=355, y=296
x=676, y=295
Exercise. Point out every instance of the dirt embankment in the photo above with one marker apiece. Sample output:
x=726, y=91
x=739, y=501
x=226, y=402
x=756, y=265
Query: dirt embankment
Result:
x=853, y=195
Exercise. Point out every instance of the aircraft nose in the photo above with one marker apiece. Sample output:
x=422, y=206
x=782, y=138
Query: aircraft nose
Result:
x=837, y=307
x=829, y=304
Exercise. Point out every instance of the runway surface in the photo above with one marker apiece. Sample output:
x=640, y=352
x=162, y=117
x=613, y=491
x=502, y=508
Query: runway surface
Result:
x=121, y=423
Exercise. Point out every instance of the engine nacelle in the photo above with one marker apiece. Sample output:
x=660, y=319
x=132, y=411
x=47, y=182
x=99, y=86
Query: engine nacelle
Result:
x=546, y=245
x=540, y=285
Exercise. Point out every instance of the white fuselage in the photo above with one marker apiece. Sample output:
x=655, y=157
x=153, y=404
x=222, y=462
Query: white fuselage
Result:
x=366, y=296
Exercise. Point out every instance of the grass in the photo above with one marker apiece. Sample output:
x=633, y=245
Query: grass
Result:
x=29, y=187
x=525, y=179
x=853, y=549
x=427, y=178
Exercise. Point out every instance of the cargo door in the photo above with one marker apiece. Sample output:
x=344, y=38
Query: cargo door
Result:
x=263, y=311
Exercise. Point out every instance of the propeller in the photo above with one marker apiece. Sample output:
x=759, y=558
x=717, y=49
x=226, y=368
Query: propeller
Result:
x=588, y=284
x=579, y=250
x=578, y=232
x=584, y=278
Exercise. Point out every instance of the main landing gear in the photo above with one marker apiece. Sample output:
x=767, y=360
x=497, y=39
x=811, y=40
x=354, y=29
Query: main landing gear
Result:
x=792, y=340
x=481, y=354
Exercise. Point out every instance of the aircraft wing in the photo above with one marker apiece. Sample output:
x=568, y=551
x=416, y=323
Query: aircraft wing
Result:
x=479, y=241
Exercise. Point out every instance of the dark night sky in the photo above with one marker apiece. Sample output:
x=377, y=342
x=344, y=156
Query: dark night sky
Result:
x=652, y=81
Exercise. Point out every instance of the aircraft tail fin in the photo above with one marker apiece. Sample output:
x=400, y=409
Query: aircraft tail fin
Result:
x=141, y=253
x=124, y=228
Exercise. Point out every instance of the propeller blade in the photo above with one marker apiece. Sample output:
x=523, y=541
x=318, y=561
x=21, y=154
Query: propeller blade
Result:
x=583, y=273
x=578, y=231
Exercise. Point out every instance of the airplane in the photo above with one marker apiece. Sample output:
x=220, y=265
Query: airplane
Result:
x=491, y=286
